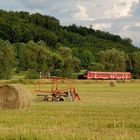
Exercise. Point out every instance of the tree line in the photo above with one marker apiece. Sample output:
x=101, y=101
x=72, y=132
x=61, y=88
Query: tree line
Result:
x=38, y=43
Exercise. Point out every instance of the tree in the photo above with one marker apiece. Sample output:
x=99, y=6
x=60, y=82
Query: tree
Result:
x=33, y=56
x=86, y=58
x=37, y=57
x=96, y=66
x=5, y=30
x=69, y=62
x=135, y=62
x=76, y=64
x=112, y=59
x=6, y=59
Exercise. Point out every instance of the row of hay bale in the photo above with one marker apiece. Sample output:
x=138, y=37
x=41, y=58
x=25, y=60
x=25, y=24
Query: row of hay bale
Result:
x=14, y=96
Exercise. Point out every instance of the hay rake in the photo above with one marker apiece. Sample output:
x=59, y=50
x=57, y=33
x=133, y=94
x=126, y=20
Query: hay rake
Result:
x=61, y=88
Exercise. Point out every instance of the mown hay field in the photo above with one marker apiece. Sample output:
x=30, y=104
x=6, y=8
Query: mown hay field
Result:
x=104, y=113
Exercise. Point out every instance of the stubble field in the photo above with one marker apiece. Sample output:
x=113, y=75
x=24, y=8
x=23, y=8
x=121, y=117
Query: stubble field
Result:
x=104, y=113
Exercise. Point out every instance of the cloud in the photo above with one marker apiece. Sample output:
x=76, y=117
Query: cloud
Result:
x=132, y=34
x=135, y=27
x=125, y=28
x=10, y=4
x=35, y=4
x=136, y=11
x=137, y=24
x=102, y=26
x=121, y=9
x=82, y=13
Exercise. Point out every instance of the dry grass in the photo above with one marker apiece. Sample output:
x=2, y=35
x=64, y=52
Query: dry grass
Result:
x=104, y=113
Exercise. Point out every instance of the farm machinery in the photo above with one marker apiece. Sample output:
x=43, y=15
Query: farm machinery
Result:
x=55, y=89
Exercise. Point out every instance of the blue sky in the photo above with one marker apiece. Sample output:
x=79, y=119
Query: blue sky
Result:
x=120, y=17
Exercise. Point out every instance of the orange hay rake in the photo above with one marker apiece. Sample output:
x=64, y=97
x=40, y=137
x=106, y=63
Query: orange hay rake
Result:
x=61, y=88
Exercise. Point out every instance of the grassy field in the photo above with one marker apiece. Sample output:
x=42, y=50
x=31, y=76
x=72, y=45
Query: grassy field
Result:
x=104, y=113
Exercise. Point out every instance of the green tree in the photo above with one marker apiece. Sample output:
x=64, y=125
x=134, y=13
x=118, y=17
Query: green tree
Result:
x=112, y=59
x=37, y=57
x=76, y=64
x=6, y=59
x=5, y=30
x=96, y=66
x=86, y=58
x=135, y=62
x=69, y=62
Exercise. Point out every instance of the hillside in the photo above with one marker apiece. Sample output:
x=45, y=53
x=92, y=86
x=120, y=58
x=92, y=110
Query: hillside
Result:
x=23, y=27
x=86, y=44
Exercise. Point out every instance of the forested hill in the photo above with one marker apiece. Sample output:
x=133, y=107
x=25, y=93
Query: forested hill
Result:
x=84, y=45
x=23, y=27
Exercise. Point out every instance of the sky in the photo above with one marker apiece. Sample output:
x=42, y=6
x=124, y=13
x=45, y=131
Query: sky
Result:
x=120, y=17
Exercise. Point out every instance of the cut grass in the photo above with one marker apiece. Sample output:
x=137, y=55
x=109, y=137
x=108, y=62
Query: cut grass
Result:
x=104, y=113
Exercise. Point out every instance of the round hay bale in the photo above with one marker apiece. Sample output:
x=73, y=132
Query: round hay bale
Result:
x=112, y=83
x=14, y=97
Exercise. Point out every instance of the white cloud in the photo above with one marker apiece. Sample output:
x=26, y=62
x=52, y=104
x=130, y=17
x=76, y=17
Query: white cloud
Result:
x=133, y=26
x=132, y=35
x=121, y=8
x=102, y=26
x=82, y=13
x=137, y=24
x=33, y=11
x=125, y=28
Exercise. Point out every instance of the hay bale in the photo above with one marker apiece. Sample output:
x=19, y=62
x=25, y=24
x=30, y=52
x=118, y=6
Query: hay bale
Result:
x=14, y=97
x=112, y=83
